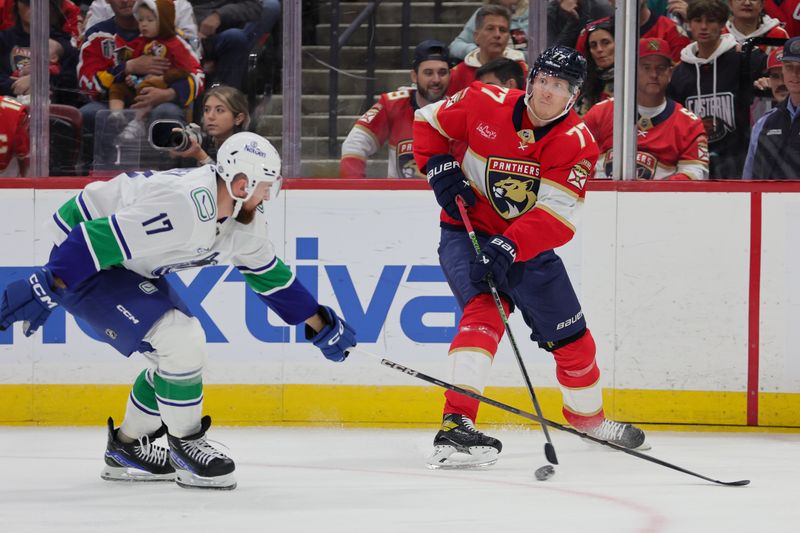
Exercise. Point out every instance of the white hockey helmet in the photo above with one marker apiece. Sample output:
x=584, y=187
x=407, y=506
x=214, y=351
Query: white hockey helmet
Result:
x=252, y=155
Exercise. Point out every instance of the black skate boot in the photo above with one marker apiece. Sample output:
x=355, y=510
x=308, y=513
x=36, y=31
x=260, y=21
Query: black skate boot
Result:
x=458, y=435
x=198, y=464
x=141, y=460
x=625, y=435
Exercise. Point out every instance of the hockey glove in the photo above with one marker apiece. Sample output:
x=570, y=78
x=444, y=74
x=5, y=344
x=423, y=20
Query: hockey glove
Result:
x=495, y=259
x=447, y=182
x=335, y=339
x=30, y=300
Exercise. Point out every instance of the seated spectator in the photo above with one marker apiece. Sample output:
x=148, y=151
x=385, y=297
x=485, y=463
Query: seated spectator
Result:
x=775, y=76
x=14, y=139
x=774, y=151
x=226, y=44
x=464, y=43
x=671, y=141
x=599, y=83
x=225, y=112
x=708, y=83
x=652, y=26
x=392, y=117
x=502, y=72
x=156, y=20
x=748, y=20
x=491, y=35
x=565, y=18
x=15, y=56
x=100, y=67
x=69, y=10
x=788, y=12
x=185, y=25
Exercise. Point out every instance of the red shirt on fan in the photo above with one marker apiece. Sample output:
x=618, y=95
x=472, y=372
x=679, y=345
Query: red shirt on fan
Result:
x=657, y=27
x=529, y=182
x=671, y=145
x=14, y=139
x=788, y=12
x=68, y=9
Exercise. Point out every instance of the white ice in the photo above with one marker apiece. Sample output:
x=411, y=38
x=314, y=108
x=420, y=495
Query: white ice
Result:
x=359, y=480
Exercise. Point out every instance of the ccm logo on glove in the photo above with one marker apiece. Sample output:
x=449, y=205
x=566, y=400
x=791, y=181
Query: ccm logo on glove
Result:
x=40, y=292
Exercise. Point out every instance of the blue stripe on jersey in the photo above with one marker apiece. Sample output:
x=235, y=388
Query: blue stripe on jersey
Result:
x=294, y=304
x=121, y=237
x=60, y=223
x=84, y=209
x=260, y=269
x=72, y=261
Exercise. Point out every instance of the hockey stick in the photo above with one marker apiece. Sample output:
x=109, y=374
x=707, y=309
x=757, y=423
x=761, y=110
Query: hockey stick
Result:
x=549, y=449
x=543, y=421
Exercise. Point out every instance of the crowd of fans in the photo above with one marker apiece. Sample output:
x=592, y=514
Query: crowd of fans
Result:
x=128, y=63
x=710, y=105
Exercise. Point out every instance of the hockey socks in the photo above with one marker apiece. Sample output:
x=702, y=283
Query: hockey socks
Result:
x=180, y=401
x=141, y=414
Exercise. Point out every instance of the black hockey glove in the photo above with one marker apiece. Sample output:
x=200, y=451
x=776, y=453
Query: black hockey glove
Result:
x=447, y=181
x=496, y=259
x=335, y=339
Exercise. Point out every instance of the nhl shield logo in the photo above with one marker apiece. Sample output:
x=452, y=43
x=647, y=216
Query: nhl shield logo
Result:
x=512, y=185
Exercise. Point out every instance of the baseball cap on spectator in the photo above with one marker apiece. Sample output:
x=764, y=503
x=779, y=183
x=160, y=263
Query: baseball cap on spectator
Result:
x=653, y=46
x=430, y=49
x=775, y=59
x=791, y=50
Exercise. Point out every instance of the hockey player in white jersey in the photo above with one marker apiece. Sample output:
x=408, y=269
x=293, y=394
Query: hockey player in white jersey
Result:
x=114, y=242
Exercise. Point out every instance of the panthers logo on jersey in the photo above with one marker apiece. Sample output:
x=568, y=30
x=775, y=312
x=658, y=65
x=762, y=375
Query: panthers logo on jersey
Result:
x=406, y=165
x=512, y=185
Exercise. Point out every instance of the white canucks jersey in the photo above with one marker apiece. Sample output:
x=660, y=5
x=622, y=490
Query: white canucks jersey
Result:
x=154, y=224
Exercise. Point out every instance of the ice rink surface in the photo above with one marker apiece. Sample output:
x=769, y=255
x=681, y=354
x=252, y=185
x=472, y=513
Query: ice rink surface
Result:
x=374, y=480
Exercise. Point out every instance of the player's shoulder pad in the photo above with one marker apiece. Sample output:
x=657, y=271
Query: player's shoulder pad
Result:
x=189, y=189
x=402, y=93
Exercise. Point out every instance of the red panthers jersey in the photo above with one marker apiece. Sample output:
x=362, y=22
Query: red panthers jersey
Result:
x=671, y=145
x=657, y=26
x=788, y=12
x=389, y=119
x=529, y=182
x=14, y=139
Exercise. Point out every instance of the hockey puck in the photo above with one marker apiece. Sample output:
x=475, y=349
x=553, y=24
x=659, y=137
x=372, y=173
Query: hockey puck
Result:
x=544, y=473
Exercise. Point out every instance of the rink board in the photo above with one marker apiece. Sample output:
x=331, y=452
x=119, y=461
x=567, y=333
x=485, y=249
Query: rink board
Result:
x=688, y=330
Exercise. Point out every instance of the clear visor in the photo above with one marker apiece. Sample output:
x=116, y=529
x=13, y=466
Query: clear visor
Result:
x=544, y=83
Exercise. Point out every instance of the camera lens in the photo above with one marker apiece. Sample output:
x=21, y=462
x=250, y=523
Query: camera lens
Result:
x=179, y=140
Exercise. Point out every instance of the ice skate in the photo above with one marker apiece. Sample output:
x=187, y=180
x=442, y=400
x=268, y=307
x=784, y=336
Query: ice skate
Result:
x=625, y=435
x=459, y=445
x=198, y=464
x=141, y=460
x=133, y=131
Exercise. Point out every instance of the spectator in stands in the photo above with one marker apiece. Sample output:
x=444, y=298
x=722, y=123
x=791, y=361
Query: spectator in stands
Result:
x=156, y=20
x=465, y=43
x=502, y=72
x=599, y=83
x=671, y=141
x=774, y=151
x=69, y=11
x=491, y=35
x=775, y=76
x=185, y=24
x=748, y=20
x=788, y=12
x=100, y=66
x=565, y=18
x=15, y=56
x=225, y=112
x=14, y=139
x=709, y=83
x=226, y=44
x=392, y=117
x=654, y=26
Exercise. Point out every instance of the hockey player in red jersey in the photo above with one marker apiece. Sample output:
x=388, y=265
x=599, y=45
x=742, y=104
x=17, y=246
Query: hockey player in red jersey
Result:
x=14, y=139
x=672, y=142
x=523, y=179
x=392, y=117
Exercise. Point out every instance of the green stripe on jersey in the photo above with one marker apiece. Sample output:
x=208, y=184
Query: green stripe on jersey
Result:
x=277, y=277
x=178, y=391
x=103, y=242
x=70, y=213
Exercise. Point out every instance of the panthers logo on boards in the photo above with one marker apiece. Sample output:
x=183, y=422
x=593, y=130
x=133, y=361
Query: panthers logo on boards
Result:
x=646, y=165
x=512, y=185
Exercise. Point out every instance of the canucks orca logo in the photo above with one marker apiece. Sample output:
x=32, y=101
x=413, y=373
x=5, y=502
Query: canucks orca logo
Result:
x=512, y=186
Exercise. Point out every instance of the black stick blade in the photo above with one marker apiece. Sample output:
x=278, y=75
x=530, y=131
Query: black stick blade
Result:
x=550, y=453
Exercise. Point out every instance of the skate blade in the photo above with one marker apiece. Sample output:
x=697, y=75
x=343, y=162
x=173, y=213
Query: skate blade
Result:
x=122, y=473
x=446, y=457
x=187, y=480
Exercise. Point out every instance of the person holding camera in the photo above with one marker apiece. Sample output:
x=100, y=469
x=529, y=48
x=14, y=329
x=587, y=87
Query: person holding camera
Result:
x=224, y=113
